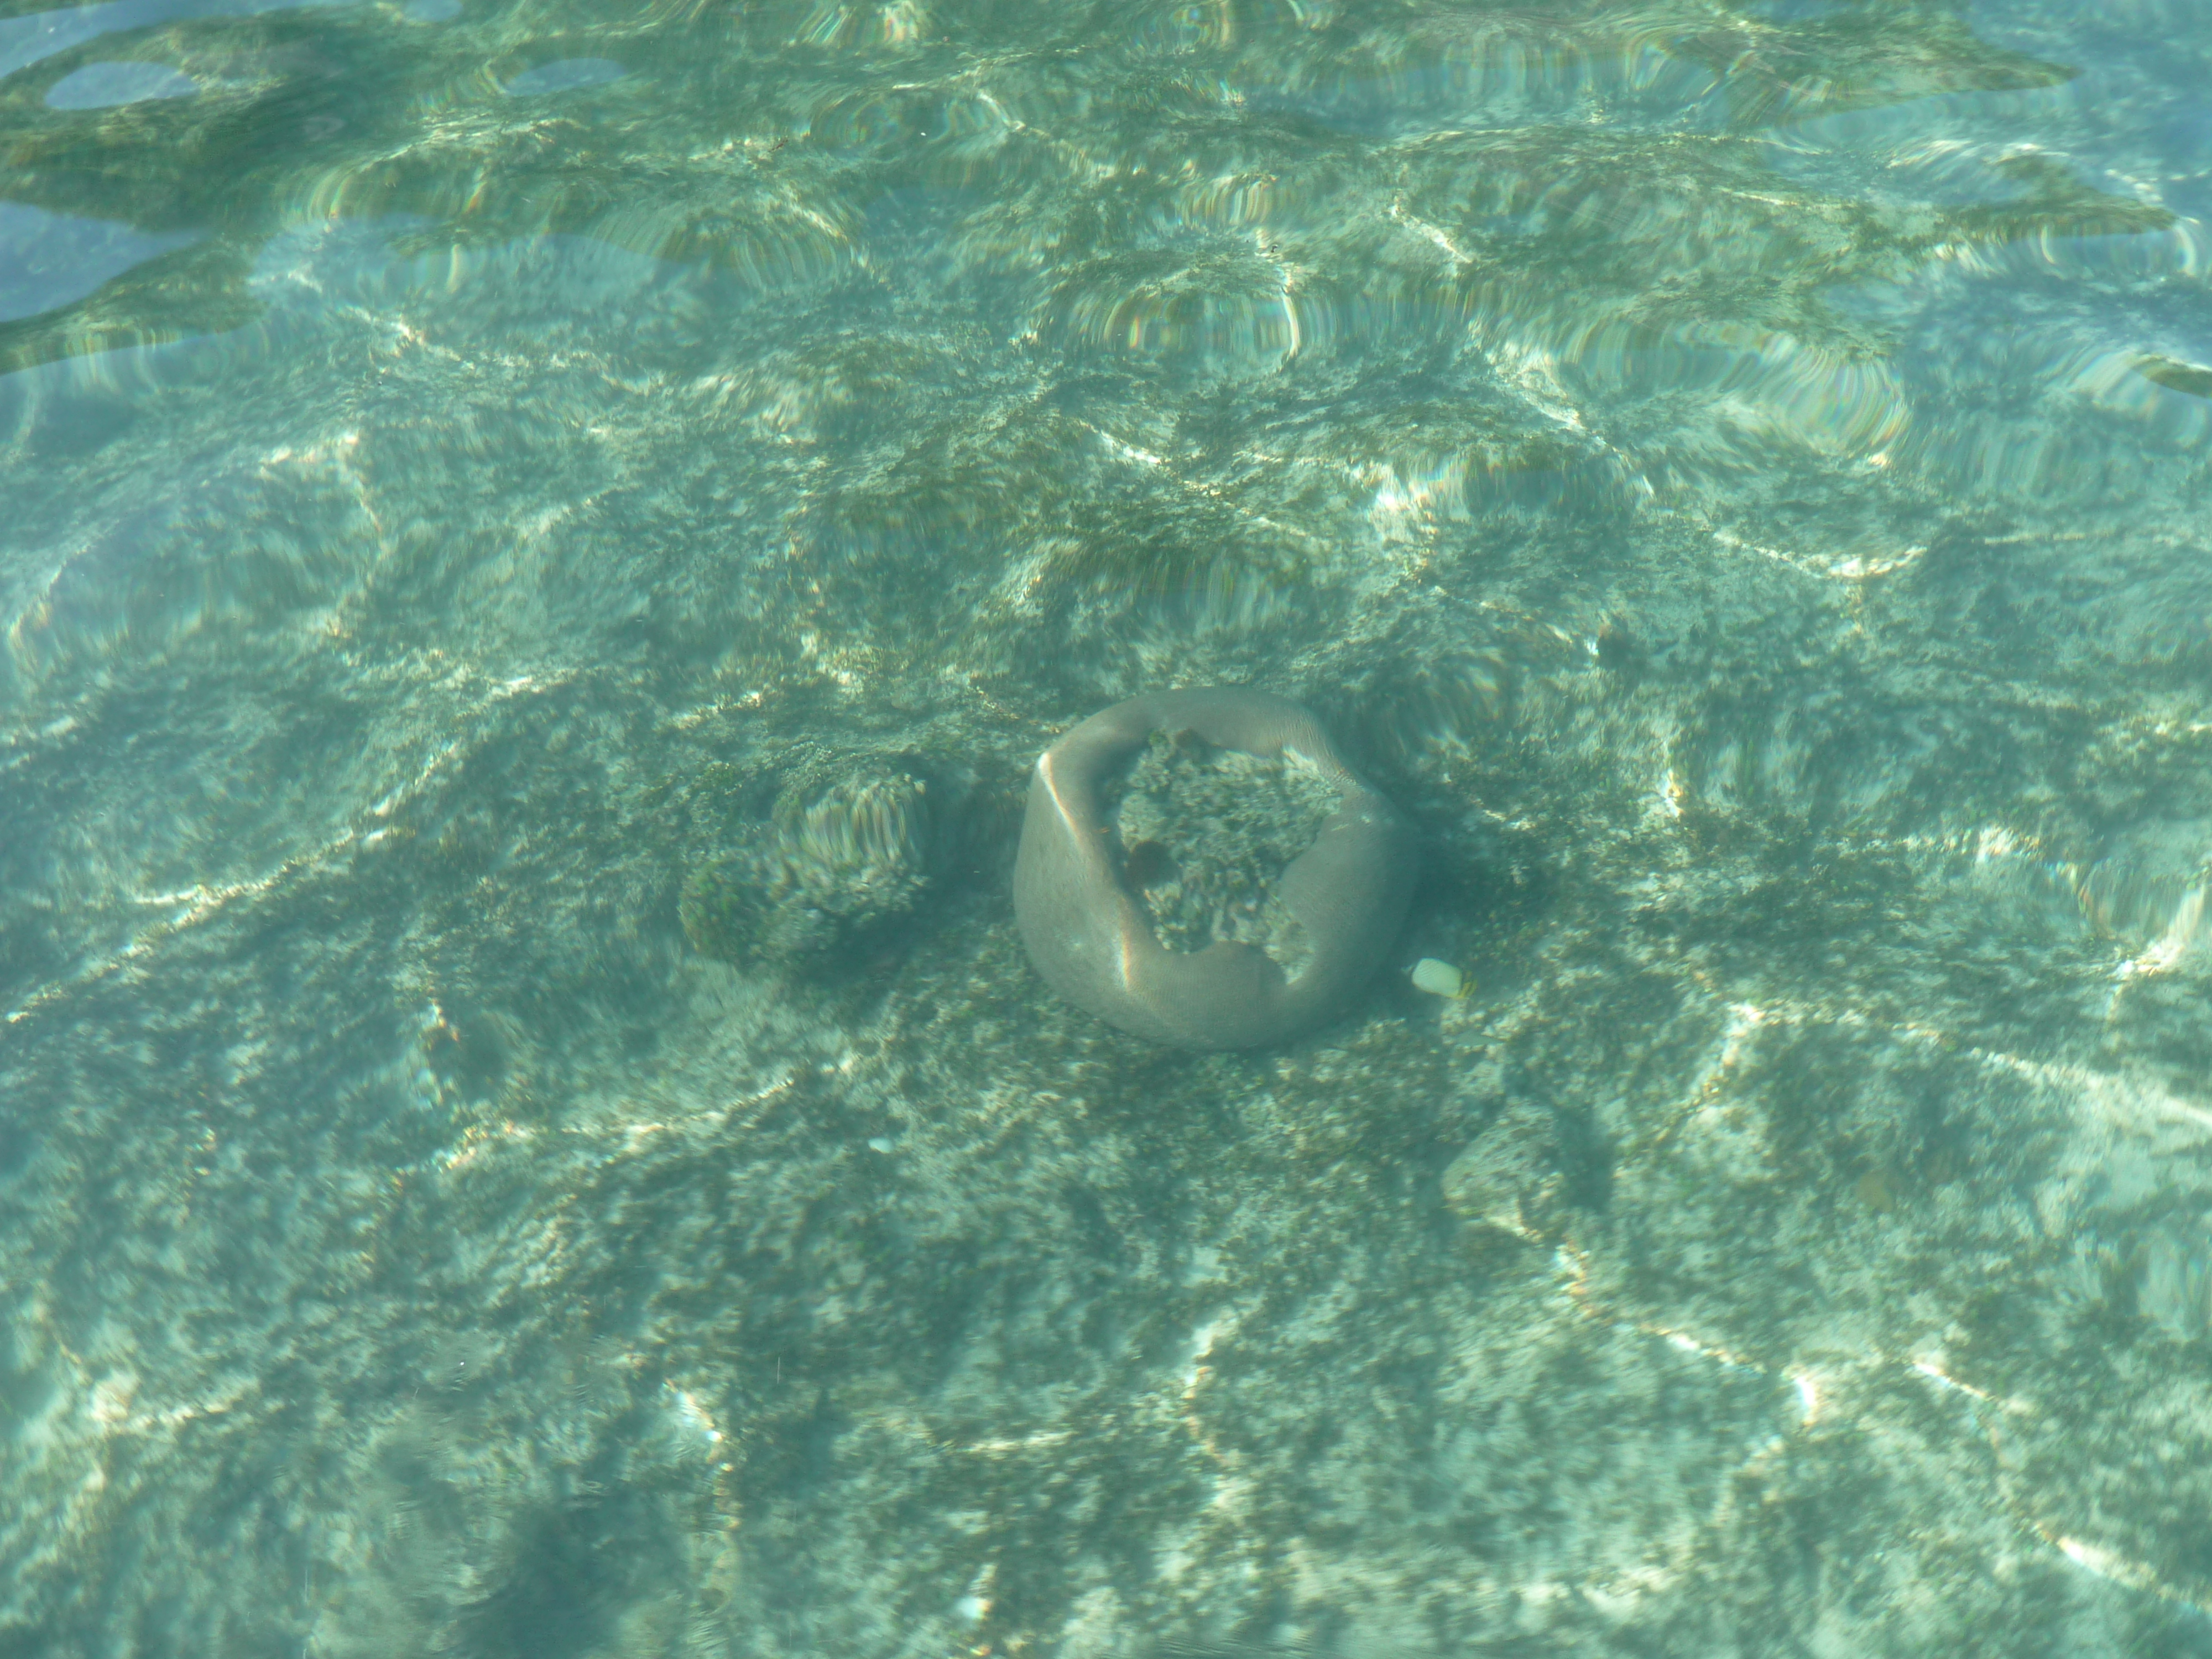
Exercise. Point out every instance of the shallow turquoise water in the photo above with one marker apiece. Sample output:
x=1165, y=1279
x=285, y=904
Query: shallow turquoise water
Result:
x=491, y=491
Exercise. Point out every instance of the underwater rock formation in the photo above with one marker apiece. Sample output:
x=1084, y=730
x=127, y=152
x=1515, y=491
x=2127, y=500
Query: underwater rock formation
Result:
x=850, y=850
x=1092, y=939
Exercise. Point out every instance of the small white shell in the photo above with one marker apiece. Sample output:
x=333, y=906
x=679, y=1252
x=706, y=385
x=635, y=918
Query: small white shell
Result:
x=1438, y=979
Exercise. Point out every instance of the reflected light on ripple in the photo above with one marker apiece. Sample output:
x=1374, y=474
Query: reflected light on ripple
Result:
x=827, y=24
x=1181, y=26
x=1764, y=386
x=564, y=75
x=2177, y=248
x=1223, y=597
x=243, y=553
x=1229, y=312
x=2173, y=1290
x=105, y=86
x=957, y=141
x=764, y=229
x=2022, y=428
x=1488, y=70
x=1910, y=56
x=2148, y=895
x=48, y=260
x=1417, y=496
x=1231, y=200
x=1441, y=709
x=2171, y=400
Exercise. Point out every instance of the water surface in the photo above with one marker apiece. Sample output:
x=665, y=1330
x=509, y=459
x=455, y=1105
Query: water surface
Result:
x=475, y=475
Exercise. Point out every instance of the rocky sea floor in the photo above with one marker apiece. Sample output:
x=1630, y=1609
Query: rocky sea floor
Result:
x=470, y=1185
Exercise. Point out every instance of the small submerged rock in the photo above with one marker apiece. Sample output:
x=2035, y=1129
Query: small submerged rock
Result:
x=1511, y=1182
x=853, y=847
x=1201, y=868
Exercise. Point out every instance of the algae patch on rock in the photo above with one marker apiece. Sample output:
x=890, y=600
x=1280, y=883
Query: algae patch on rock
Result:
x=1208, y=833
x=851, y=849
